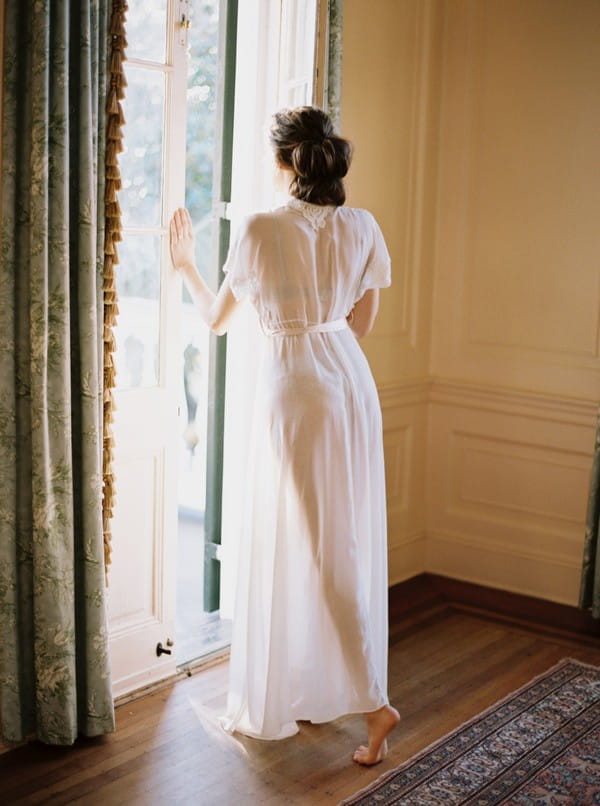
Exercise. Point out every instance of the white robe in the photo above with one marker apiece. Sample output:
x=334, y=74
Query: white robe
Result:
x=310, y=622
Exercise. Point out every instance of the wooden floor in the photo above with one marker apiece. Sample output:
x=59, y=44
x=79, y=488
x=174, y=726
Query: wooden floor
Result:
x=448, y=661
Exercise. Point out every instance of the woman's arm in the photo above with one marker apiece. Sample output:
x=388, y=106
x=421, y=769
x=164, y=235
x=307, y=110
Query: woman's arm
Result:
x=215, y=309
x=362, y=317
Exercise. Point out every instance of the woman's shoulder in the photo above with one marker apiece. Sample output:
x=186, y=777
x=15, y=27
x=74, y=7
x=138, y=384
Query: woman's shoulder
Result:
x=259, y=223
x=360, y=217
x=253, y=224
x=359, y=212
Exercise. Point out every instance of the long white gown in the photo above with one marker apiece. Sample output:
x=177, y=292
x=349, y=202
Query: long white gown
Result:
x=310, y=621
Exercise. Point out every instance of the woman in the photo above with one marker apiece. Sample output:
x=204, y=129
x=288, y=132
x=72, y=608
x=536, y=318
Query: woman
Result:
x=310, y=626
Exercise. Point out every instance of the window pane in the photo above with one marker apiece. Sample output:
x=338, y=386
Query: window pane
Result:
x=201, y=125
x=297, y=65
x=303, y=58
x=141, y=161
x=146, y=26
x=299, y=95
x=193, y=402
x=138, y=324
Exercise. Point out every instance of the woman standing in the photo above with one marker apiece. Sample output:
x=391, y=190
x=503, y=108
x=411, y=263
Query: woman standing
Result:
x=310, y=626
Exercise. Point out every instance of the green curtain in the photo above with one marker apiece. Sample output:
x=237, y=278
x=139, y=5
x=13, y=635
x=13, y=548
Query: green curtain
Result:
x=54, y=670
x=590, y=578
x=333, y=99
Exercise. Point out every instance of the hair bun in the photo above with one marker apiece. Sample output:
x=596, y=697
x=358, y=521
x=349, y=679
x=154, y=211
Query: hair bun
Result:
x=305, y=142
x=312, y=159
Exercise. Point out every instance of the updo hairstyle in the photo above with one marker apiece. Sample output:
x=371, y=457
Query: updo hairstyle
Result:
x=304, y=142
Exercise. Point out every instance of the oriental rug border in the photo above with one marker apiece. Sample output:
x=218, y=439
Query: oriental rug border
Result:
x=540, y=741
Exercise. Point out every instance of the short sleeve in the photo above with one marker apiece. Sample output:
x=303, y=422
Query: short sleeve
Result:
x=241, y=265
x=377, y=272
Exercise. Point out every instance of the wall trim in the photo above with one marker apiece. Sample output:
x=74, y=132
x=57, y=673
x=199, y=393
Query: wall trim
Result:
x=506, y=400
x=409, y=392
x=433, y=591
x=504, y=548
x=420, y=547
x=521, y=572
x=487, y=397
x=408, y=540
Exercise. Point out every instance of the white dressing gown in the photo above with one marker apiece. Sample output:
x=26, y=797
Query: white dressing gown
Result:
x=310, y=622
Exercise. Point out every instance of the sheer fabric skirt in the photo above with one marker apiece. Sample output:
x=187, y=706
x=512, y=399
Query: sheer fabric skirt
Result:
x=310, y=626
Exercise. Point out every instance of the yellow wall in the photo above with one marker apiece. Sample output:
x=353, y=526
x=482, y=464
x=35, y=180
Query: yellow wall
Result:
x=476, y=125
x=390, y=103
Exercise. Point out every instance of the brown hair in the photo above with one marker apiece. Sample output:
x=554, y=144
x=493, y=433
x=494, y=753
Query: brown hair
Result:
x=304, y=141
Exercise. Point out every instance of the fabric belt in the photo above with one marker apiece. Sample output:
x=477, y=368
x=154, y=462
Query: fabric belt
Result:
x=321, y=327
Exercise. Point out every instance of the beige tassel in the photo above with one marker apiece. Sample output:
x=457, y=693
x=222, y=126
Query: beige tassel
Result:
x=112, y=212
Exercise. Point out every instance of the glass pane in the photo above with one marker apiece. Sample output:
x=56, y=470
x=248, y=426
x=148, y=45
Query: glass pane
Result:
x=305, y=38
x=146, y=28
x=138, y=324
x=193, y=402
x=141, y=161
x=201, y=125
x=298, y=52
x=299, y=95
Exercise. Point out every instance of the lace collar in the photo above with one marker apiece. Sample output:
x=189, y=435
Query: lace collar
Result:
x=315, y=214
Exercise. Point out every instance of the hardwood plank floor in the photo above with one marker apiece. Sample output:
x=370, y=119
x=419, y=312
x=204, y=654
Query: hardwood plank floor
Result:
x=447, y=664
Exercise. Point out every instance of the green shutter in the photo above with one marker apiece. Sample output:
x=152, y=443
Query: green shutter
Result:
x=218, y=344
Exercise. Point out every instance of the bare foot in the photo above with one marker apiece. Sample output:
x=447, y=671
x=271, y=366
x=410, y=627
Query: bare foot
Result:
x=379, y=724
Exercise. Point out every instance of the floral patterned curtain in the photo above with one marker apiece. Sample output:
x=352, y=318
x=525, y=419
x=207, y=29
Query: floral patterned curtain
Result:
x=54, y=670
x=334, y=67
x=590, y=578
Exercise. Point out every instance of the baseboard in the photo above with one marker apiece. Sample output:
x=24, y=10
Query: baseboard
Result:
x=430, y=593
x=497, y=563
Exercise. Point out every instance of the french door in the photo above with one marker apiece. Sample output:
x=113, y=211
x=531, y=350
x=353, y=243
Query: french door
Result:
x=156, y=401
x=142, y=574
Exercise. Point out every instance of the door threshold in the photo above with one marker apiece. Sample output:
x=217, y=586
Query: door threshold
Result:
x=185, y=670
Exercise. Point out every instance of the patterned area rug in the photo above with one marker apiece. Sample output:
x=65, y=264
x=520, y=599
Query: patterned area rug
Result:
x=538, y=746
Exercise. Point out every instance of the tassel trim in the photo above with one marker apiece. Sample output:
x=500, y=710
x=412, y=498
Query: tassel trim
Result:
x=112, y=235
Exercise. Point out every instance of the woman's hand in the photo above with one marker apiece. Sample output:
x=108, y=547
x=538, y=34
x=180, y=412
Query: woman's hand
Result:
x=215, y=310
x=182, y=240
